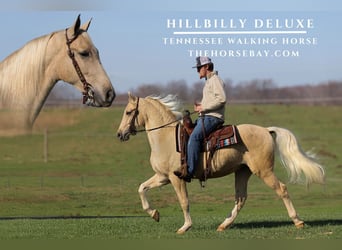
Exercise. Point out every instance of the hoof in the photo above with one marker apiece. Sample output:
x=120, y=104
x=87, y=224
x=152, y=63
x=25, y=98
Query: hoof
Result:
x=300, y=224
x=182, y=230
x=155, y=215
x=220, y=229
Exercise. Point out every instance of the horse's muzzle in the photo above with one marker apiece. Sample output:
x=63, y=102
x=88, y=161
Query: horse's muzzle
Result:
x=123, y=136
x=93, y=98
x=109, y=98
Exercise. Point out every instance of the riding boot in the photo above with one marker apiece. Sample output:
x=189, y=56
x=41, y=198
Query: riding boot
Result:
x=183, y=172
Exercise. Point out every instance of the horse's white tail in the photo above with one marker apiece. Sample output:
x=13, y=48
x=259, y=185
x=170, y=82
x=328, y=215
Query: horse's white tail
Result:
x=295, y=160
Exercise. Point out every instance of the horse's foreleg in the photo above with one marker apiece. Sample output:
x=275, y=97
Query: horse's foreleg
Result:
x=241, y=179
x=154, y=181
x=182, y=194
x=272, y=181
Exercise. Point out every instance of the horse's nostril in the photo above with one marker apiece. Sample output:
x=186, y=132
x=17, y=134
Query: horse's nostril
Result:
x=110, y=95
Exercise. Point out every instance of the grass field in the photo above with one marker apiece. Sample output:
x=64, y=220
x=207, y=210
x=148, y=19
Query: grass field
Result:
x=88, y=186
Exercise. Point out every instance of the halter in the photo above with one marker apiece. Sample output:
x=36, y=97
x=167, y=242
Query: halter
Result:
x=88, y=92
x=132, y=127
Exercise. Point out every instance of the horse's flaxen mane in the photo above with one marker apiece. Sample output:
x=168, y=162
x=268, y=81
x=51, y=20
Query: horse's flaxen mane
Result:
x=171, y=102
x=22, y=66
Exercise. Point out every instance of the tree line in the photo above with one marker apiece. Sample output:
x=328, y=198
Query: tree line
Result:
x=254, y=91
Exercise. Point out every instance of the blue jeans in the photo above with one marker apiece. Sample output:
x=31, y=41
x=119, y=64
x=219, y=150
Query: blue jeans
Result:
x=196, y=140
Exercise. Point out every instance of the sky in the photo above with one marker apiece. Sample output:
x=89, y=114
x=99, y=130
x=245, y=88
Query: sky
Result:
x=291, y=42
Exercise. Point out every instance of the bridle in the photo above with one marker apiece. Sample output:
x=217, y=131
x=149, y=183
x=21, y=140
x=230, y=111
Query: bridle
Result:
x=88, y=92
x=132, y=127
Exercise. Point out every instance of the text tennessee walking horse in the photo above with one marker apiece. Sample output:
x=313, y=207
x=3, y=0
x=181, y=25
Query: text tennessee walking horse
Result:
x=28, y=75
x=255, y=155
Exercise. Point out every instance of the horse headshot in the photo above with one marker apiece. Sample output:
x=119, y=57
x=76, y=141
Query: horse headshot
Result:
x=254, y=153
x=28, y=75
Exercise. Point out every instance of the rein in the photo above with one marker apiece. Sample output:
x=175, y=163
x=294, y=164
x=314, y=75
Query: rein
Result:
x=88, y=93
x=162, y=126
x=135, y=115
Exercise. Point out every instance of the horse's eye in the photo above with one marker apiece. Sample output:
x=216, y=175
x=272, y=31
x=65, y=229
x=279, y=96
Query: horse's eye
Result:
x=128, y=112
x=85, y=53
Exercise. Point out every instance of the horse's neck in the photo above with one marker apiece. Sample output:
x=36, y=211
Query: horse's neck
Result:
x=23, y=83
x=162, y=139
x=155, y=114
x=155, y=118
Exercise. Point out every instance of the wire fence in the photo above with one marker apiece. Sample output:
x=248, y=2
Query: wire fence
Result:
x=46, y=148
x=50, y=159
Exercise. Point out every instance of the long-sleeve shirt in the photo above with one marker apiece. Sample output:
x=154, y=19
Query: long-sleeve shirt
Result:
x=214, y=97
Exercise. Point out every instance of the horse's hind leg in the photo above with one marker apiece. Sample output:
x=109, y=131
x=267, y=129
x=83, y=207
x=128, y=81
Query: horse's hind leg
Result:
x=241, y=179
x=154, y=181
x=272, y=181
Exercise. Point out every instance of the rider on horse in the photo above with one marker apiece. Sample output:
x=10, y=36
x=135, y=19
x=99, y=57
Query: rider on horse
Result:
x=211, y=111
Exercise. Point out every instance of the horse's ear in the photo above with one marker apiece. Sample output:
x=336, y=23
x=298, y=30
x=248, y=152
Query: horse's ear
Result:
x=73, y=30
x=131, y=97
x=86, y=25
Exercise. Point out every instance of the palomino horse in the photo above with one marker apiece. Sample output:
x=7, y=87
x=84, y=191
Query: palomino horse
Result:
x=254, y=155
x=28, y=75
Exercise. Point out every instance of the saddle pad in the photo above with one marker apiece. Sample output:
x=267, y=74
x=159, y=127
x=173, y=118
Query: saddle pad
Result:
x=224, y=137
x=221, y=138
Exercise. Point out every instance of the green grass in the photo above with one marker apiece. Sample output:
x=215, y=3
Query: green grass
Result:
x=251, y=226
x=254, y=222
x=92, y=177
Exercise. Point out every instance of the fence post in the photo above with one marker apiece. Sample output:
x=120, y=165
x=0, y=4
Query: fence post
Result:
x=45, y=145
